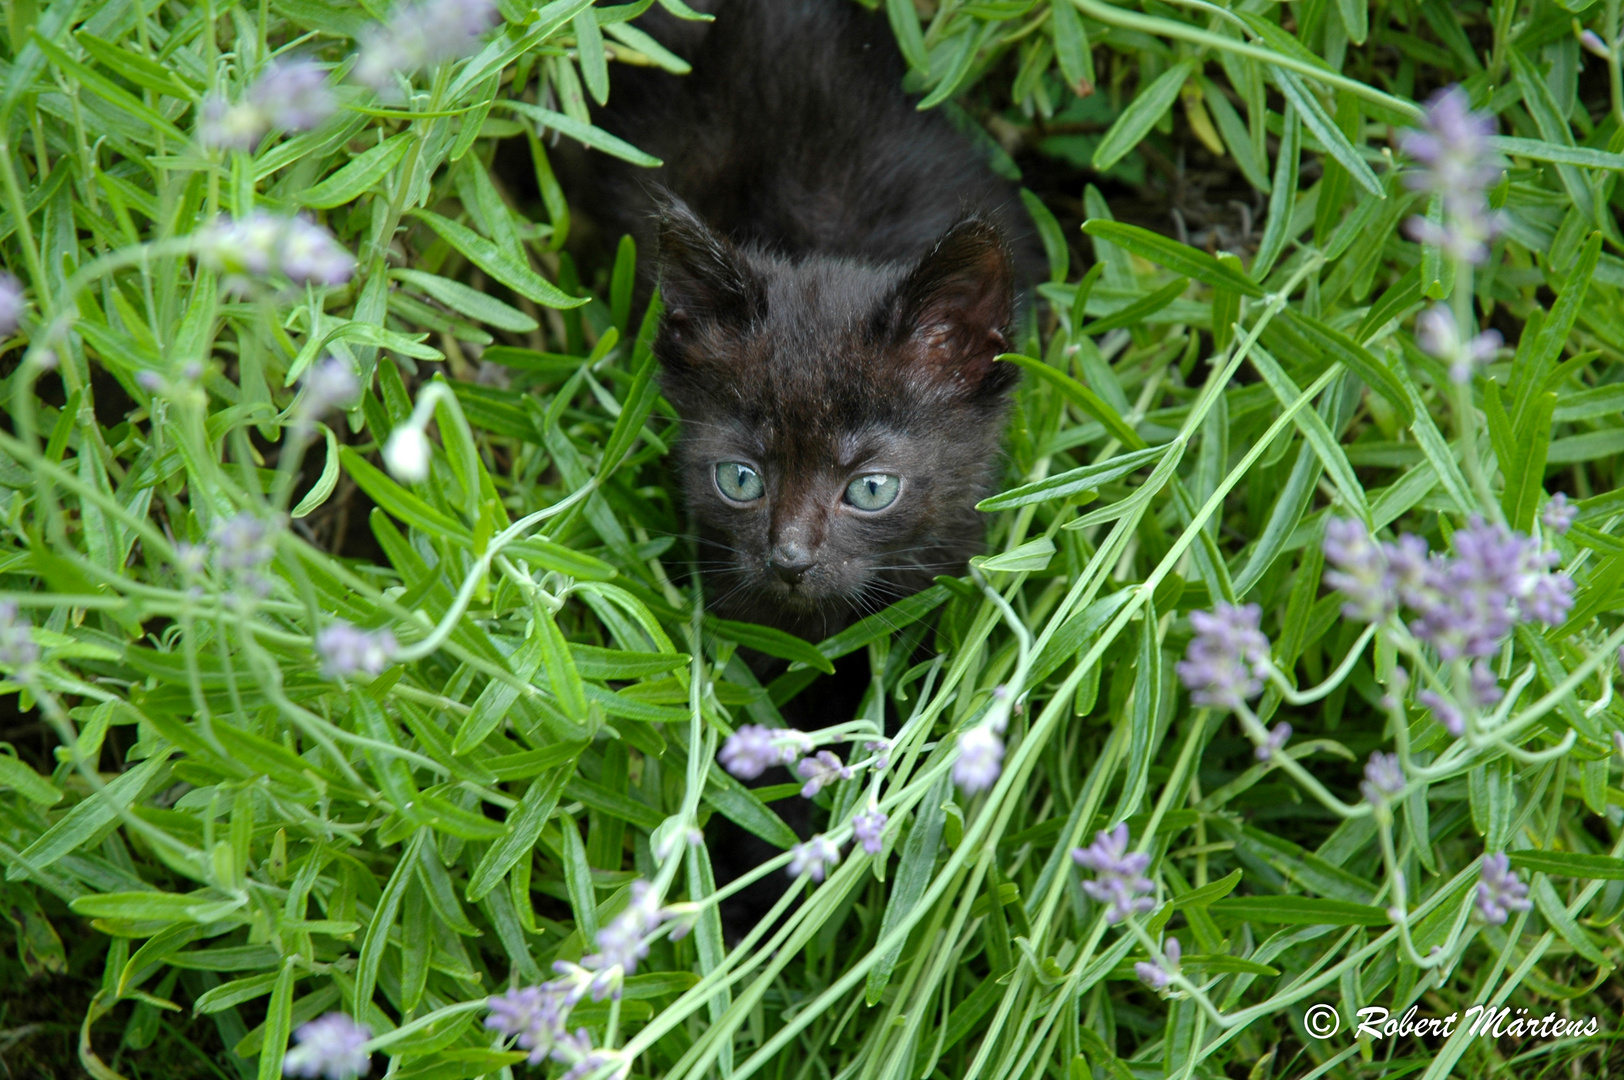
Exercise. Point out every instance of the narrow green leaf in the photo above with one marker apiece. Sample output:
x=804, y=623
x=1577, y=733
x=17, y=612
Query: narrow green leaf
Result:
x=357, y=177
x=596, y=138
x=1088, y=402
x=589, y=53
x=1149, y=105
x=1572, y=864
x=505, y=267
x=1180, y=258
x=1325, y=130
x=1085, y=478
x=1295, y=911
x=772, y=641
x=913, y=874
x=481, y=307
x=1054, y=242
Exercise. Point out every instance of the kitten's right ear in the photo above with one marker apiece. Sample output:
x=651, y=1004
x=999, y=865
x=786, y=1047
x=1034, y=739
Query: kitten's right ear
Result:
x=703, y=279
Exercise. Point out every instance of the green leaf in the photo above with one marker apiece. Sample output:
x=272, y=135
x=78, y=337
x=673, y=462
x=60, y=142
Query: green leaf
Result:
x=1138, y=311
x=772, y=641
x=1525, y=471
x=325, y=483
x=905, y=25
x=1071, y=47
x=278, y=1022
x=1066, y=484
x=1333, y=344
x=1569, y=864
x=87, y=817
x=26, y=782
x=561, y=674
x=1180, y=258
x=478, y=306
x=913, y=874
x=505, y=267
x=1325, y=130
x=596, y=138
x=1031, y=556
x=560, y=559
x=1149, y=105
x=104, y=88
x=589, y=53
x=1208, y=893
x=594, y=662
x=137, y=68
x=1295, y=911
x=1088, y=402
x=1054, y=242
x=357, y=177
x=1282, y=196
x=397, y=501
x=1540, y=150
x=740, y=805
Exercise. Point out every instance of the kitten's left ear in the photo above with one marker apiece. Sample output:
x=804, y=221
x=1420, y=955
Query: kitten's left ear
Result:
x=951, y=315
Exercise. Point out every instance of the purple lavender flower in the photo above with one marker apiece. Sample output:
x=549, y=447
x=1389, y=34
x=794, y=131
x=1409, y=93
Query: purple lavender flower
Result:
x=1157, y=976
x=1458, y=165
x=819, y=771
x=881, y=749
x=1484, y=686
x=533, y=1016
x=1444, y=711
x=329, y=1046
x=1594, y=45
x=1384, y=778
x=814, y=858
x=243, y=542
x=1436, y=333
x=1359, y=570
x=1120, y=880
x=11, y=304
x=310, y=254
x=293, y=95
x=755, y=748
x=869, y=829
x=1618, y=736
x=1275, y=743
x=980, y=760
x=1559, y=514
x=247, y=245
x=1466, y=605
x=227, y=126
x=420, y=34
x=346, y=650
x=1499, y=890
x=17, y=649
x=624, y=942
x=329, y=384
x=1228, y=657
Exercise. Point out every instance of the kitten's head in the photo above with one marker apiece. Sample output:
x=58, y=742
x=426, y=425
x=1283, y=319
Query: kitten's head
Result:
x=840, y=419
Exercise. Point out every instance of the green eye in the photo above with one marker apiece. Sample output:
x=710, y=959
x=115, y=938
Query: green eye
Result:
x=739, y=481
x=875, y=491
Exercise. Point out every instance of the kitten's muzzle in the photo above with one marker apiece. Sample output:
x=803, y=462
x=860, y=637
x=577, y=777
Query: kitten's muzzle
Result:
x=789, y=562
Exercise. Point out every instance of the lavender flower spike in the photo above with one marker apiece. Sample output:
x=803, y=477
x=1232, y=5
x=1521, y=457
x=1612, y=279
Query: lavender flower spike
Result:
x=624, y=942
x=1120, y=880
x=1276, y=742
x=1499, y=890
x=869, y=829
x=17, y=649
x=819, y=771
x=814, y=858
x=1384, y=778
x=346, y=650
x=1228, y=657
x=329, y=1046
x=1157, y=976
x=533, y=1016
x=755, y=748
x=1436, y=333
x=1458, y=163
x=980, y=760
x=1360, y=570
x=1559, y=514
x=11, y=304
x=293, y=95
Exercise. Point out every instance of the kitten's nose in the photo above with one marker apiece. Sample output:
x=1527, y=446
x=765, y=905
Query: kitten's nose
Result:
x=789, y=561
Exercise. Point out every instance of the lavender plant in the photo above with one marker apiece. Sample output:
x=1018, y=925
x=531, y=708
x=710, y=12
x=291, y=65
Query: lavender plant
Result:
x=363, y=718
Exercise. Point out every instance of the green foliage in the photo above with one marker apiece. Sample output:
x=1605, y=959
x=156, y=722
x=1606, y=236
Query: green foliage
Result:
x=213, y=833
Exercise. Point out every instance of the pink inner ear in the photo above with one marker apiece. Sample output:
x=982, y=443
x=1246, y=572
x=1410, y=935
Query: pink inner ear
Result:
x=957, y=305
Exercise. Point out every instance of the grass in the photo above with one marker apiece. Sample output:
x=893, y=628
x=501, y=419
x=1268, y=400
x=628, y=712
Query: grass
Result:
x=208, y=839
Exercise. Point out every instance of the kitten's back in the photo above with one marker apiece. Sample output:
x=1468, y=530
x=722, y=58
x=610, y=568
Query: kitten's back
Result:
x=793, y=133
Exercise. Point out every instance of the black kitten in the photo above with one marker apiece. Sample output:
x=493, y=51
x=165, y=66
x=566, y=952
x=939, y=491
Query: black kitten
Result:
x=837, y=282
